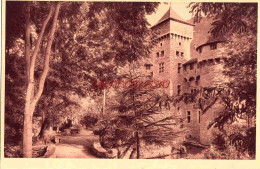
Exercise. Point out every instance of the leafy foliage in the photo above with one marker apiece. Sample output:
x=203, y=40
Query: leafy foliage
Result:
x=15, y=81
x=88, y=52
x=89, y=120
x=81, y=52
x=228, y=18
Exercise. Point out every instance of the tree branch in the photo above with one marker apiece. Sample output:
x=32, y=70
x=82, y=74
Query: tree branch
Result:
x=27, y=39
x=47, y=57
x=37, y=47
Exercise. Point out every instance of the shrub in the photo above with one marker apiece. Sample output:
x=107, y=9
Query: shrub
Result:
x=89, y=120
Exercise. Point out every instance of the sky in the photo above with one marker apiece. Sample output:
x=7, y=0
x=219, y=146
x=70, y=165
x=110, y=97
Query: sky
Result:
x=179, y=7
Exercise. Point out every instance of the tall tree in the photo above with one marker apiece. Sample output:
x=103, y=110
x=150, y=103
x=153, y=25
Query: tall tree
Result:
x=135, y=118
x=33, y=95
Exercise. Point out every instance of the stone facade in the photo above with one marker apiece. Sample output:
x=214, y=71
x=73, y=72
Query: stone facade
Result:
x=171, y=59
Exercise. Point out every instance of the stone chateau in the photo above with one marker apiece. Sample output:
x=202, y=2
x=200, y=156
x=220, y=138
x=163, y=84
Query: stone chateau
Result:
x=190, y=59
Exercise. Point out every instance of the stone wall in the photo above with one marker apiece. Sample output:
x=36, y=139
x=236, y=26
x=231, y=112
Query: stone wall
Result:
x=207, y=53
x=206, y=119
x=204, y=73
x=181, y=28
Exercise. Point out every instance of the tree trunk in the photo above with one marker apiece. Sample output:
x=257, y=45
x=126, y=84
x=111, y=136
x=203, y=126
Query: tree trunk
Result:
x=42, y=126
x=31, y=101
x=136, y=133
x=137, y=145
x=104, y=104
x=27, y=126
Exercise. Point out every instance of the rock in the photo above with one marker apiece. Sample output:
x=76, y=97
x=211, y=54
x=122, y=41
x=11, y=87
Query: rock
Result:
x=153, y=151
x=112, y=153
x=99, y=151
x=50, y=152
x=39, y=150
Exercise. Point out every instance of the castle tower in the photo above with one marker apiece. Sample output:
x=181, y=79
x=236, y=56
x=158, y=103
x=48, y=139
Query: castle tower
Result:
x=172, y=60
x=172, y=49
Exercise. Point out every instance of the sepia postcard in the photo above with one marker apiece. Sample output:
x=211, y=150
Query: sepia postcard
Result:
x=133, y=84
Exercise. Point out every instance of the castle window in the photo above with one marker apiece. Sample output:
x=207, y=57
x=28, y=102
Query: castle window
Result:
x=161, y=67
x=182, y=54
x=193, y=90
x=177, y=53
x=211, y=62
x=191, y=66
x=188, y=117
x=179, y=43
x=179, y=67
x=157, y=54
x=199, y=117
x=217, y=60
x=200, y=50
x=162, y=53
x=200, y=101
x=198, y=79
x=191, y=79
x=161, y=44
x=213, y=46
x=204, y=63
x=148, y=67
x=179, y=89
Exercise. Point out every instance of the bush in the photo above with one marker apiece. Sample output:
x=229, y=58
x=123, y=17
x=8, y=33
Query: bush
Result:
x=66, y=125
x=13, y=151
x=89, y=120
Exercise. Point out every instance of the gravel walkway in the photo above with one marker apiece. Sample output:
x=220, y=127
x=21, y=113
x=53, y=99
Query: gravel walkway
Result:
x=76, y=146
